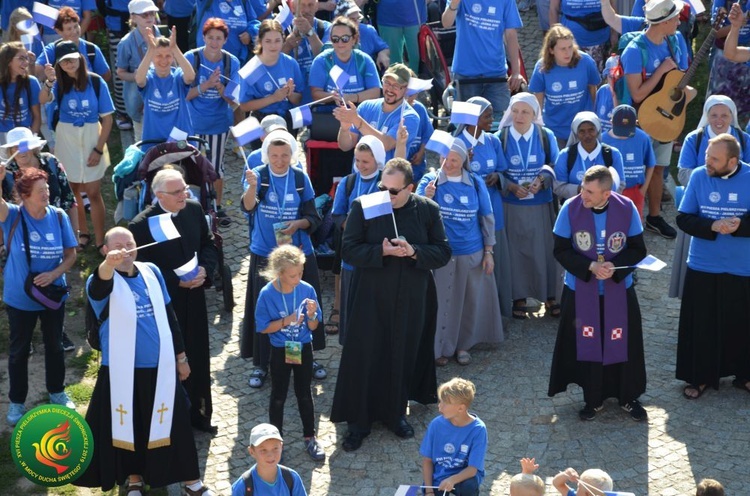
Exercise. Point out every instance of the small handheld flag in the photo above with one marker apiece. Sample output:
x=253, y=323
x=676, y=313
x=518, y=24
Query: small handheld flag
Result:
x=697, y=6
x=376, y=204
x=465, y=113
x=301, y=116
x=29, y=27
x=232, y=91
x=250, y=72
x=339, y=77
x=162, y=228
x=440, y=142
x=188, y=271
x=247, y=131
x=649, y=263
x=28, y=41
x=177, y=134
x=23, y=146
x=416, y=85
x=285, y=16
x=45, y=15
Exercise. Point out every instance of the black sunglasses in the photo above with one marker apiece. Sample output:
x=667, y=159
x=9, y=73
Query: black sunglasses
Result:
x=392, y=191
x=342, y=39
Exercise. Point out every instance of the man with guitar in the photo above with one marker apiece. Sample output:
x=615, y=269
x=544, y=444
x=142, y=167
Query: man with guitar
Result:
x=661, y=56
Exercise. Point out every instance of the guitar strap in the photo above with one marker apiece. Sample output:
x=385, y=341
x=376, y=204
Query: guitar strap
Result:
x=671, y=51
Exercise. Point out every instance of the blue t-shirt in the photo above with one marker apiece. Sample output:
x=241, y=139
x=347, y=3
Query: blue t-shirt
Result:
x=48, y=237
x=263, y=488
x=370, y=41
x=637, y=155
x=581, y=166
x=461, y=204
x=165, y=106
x=690, y=158
x=422, y=137
x=342, y=205
x=402, y=13
x=480, y=46
x=213, y=113
x=388, y=122
x=239, y=16
x=717, y=198
x=452, y=448
x=8, y=6
x=524, y=162
x=630, y=24
x=83, y=107
x=303, y=52
x=362, y=75
x=632, y=59
x=9, y=118
x=146, y=331
x=274, y=305
x=487, y=158
x=78, y=5
x=117, y=23
x=562, y=229
x=281, y=202
x=581, y=8
x=130, y=51
x=179, y=8
x=273, y=78
x=99, y=66
x=255, y=159
x=566, y=92
x=744, y=38
x=604, y=106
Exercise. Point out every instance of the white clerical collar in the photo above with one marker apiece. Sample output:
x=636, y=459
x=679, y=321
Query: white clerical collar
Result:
x=589, y=156
x=527, y=135
x=730, y=174
x=174, y=214
x=369, y=176
x=470, y=137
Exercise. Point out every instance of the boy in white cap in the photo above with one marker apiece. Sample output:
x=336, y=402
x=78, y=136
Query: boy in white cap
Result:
x=267, y=477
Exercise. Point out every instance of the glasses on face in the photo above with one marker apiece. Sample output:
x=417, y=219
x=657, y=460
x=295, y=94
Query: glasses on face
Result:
x=22, y=58
x=178, y=192
x=392, y=191
x=391, y=86
x=341, y=39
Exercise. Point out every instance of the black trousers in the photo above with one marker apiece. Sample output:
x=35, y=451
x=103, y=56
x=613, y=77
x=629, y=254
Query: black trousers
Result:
x=280, y=376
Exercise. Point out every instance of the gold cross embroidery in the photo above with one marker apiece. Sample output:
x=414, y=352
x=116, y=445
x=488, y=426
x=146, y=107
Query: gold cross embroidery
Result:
x=122, y=412
x=161, y=411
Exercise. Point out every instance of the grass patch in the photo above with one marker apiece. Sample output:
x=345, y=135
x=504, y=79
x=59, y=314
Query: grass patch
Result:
x=87, y=362
x=8, y=472
x=80, y=393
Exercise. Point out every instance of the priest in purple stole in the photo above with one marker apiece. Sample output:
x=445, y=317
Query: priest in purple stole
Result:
x=600, y=340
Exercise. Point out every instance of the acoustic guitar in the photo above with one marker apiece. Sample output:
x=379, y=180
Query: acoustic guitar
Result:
x=662, y=114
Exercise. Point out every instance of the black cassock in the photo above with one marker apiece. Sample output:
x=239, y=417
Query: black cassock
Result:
x=189, y=304
x=389, y=357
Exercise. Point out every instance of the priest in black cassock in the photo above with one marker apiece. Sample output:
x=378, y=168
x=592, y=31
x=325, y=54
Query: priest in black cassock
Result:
x=388, y=357
x=188, y=296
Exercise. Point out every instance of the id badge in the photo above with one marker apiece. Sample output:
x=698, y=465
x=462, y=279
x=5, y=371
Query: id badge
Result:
x=293, y=352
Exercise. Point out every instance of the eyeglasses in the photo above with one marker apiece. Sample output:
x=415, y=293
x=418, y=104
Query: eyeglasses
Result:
x=343, y=39
x=392, y=191
x=391, y=86
x=178, y=192
x=22, y=58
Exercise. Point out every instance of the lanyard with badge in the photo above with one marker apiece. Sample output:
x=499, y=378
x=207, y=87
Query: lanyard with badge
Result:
x=525, y=164
x=292, y=348
x=281, y=238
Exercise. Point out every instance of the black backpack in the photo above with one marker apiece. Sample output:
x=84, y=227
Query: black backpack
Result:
x=573, y=156
x=699, y=139
x=93, y=323
x=285, y=473
x=94, y=79
x=542, y=136
x=226, y=61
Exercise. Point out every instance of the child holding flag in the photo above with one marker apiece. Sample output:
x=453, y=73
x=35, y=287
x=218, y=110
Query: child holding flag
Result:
x=288, y=311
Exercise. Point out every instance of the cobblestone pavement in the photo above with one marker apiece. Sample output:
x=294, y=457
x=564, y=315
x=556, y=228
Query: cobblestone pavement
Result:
x=682, y=442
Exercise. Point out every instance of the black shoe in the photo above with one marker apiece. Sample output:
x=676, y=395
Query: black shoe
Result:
x=589, y=412
x=222, y=218
x=404, y=430
x=353, y=440
x=659, y=226
x=204, y=425
x=636, y=410
x=68, y=345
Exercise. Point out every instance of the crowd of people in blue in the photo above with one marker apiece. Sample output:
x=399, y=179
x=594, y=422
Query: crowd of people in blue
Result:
x=543, y=193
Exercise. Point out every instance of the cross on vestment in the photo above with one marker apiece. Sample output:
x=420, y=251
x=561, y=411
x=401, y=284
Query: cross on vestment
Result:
x=161, y=411
x=122, y=412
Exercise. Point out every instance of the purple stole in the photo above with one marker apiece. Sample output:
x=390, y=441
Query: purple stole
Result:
x=590, y=337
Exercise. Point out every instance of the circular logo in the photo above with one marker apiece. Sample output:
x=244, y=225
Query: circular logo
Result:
x=476, y=8
x=267, y=86
x=136, y=296
x=225, y=8
x=52, y=445
x=449, y=448
x=448, y=198
x=72, y=104
x=272, y=197
x=515, y=159
x=34, y=236
x=714, y=197
x=475, y=166
x=579, y=176
x=556, y=86
x=657, y=63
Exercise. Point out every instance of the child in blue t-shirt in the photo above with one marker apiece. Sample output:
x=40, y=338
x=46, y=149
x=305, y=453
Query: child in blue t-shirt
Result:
x=267, y=477
x=288, y=311
x=455, y=444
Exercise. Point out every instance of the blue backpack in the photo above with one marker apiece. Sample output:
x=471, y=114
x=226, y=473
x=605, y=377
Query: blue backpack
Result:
x=619, y=83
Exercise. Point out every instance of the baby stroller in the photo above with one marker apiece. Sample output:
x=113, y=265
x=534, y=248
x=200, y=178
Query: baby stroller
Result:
x=436, y=46
x=200, y=176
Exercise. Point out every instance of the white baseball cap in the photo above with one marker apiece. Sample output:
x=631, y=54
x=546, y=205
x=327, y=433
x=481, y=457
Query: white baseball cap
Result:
x=142, y=6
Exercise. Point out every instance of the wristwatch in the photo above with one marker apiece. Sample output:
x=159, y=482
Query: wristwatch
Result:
x=310, y=33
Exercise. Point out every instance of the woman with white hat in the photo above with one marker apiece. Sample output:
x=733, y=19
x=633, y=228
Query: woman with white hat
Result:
x=719, y=116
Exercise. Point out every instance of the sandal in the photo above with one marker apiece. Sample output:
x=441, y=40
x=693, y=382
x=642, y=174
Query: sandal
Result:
x=741, y=384
x=257, y=378
x=135, y=487
x=697, y=389
x=81, y=243
x=441, y=362
x=319, y=372
x=520, y=310
x=553, y=308
x=334, y=317
x=463, y=358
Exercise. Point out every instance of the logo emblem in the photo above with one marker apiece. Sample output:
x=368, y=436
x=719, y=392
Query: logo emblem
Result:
x=272, y=197
x=448, y=198
x=588, y=332
x=267, y=86
x=515, y=159
x=449, y=448
x=583, y=240
x=157, y=93
x=617, y=333
x=34, y=236
x=52, y=445
x=475, y=166
x=714, y=197
x=732, y=197
x=616, y=242
x=476, y=8
x=556, y=86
